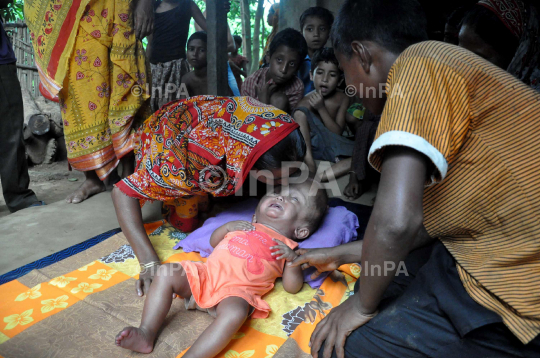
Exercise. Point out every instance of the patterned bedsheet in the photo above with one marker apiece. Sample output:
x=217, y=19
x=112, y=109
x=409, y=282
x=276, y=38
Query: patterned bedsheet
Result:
x=75, y=307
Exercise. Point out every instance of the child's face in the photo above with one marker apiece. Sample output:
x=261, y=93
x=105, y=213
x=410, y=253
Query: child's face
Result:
x=284, y=64
x=284, y=207
x=196, y=53
x=326, y=78
x=316, y=32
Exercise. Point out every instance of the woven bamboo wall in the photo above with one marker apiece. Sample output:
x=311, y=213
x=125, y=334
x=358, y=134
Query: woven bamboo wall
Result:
x=26, y=68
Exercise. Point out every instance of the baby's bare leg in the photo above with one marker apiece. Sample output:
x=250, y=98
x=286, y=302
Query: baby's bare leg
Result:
x=231, y=315
x=169, y=279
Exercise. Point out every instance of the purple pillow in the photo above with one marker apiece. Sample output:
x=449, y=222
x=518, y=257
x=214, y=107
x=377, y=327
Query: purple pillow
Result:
x=338, y=228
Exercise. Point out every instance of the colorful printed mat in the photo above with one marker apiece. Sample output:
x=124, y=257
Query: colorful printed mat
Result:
x=76, y=306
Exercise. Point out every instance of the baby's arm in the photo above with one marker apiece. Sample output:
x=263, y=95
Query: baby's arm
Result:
x=220, y=232
x=293, y=279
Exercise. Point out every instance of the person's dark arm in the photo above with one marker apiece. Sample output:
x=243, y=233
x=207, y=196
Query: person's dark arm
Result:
x=198, y=16
x=395, y=222
x=391, y=234
x=143, y=18
x=239, y=69
x=129, y=214
x=243, y=69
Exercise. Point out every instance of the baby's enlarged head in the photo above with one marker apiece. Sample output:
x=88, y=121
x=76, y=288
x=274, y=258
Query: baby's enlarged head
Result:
x=295, y=211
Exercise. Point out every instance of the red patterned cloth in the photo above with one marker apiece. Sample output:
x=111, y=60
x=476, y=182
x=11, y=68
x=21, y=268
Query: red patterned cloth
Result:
x=511, y=13
x=202, y=144
x=294, y=89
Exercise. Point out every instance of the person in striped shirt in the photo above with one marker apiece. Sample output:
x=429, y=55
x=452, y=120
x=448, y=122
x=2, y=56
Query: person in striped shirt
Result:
x=458, y=206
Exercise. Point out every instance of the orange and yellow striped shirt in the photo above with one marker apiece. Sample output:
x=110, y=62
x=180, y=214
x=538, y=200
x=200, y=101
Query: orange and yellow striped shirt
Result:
x=480, y=127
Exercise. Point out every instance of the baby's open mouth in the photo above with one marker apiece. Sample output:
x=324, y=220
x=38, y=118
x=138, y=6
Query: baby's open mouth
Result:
x=276, y=205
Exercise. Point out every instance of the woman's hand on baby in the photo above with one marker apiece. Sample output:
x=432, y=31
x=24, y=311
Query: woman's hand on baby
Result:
x=284, y=251
x=240, y=225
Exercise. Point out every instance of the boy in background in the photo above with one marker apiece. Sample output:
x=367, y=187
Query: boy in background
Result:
x=321, y=114
x=196, y=81
x=278, y=84
x=238, y=62
x=315, y=24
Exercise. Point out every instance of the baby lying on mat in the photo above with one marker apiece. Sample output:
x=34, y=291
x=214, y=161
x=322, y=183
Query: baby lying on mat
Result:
x=247, y=259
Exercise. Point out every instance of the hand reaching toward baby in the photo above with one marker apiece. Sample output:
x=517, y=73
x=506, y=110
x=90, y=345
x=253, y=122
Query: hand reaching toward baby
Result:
x=240, y=225
x=285, y=251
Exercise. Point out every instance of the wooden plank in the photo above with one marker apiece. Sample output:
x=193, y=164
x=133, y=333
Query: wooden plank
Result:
x=216, y=20
x=26, y=67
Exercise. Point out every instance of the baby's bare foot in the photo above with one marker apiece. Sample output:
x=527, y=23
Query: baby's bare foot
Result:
x=134, y=339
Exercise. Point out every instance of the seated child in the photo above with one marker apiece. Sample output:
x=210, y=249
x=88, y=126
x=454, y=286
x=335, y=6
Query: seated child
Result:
x=315, y=24
x=247, y=259
x=277, y=84
x=196, y=81
x=238, y=62
x=321, y=114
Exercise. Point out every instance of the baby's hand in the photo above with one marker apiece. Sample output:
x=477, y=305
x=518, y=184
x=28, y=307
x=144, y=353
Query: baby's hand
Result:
x=285, y=251
x=240, y=225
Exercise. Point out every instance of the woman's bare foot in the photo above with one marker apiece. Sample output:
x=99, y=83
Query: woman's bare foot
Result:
x=91, y=186
x=134, y=339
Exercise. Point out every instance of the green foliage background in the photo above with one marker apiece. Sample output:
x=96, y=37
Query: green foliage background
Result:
x=13, y=12
x=235, y=21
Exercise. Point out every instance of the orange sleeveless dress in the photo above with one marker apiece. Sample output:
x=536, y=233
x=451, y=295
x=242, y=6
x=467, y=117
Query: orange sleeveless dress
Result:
x=240, y=266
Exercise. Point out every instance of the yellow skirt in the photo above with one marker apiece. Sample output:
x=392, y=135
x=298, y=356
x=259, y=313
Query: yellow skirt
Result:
x=104, y=88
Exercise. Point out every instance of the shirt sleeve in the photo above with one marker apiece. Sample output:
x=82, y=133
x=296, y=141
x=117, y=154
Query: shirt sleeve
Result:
x=427, y=109
x=248, y=87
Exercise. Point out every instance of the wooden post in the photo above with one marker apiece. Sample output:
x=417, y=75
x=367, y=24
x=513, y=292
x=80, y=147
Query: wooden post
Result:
x=246, y=29
x=216, y=20
x=254, y=65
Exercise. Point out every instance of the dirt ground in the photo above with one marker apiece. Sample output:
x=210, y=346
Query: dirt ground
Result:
x=51, y=183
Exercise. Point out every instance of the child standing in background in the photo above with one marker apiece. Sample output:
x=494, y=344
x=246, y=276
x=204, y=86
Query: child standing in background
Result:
x=321, y=114
x=166, y=50
x=238, y=62
x=315, y=24
x=278, y=84
x=196, y=81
